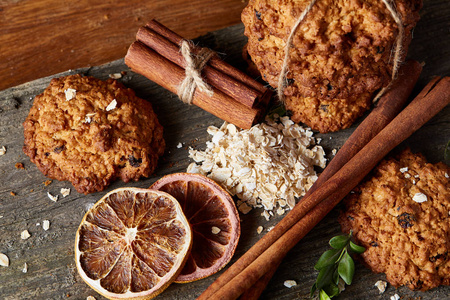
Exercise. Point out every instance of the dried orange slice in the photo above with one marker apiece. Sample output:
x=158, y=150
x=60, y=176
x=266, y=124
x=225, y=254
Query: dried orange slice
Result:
x=132, y=243
x=214, y=221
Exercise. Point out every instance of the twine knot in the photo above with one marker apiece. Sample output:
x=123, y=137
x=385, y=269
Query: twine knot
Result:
x=194, y=65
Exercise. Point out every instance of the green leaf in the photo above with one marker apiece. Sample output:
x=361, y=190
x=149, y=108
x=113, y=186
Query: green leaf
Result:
x=356, y=248
x=323, y=295
x=325, y=277
x=313, y=289
x=346, y=268
x=329, y=257
x=339, y=242
x=336, y=277
x=331, y=290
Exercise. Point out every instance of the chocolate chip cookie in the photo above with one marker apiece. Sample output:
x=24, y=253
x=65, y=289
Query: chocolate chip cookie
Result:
x=90, y=132
x=401, y=214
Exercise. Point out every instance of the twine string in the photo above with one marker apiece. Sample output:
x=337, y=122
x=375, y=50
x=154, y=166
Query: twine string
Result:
x=194, y=65
x=282, y=80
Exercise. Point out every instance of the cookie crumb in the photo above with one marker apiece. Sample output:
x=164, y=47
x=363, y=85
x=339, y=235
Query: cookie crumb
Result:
x=47, y=182
x=25, y=235
x=179, y=145
x=420, y=197
x=381, y=286
x=19, y=166
x=13, y=193
x=333, y=152
x=90, y=298
x=4, y=260
x=65, y=192
x=215, y=230
x=46, y=224
x=2, y=150
x=290, y=283
x=53, y=198
x=70, y=94
x=25, y=268
x=111, y=105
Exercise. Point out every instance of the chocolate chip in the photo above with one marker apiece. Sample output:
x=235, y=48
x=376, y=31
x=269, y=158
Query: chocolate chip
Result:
x=59, y=149
x=405, y=220
x=374, y=244
x=258, y=15
x=47, y=153
x=329, y=87
x=134, y=162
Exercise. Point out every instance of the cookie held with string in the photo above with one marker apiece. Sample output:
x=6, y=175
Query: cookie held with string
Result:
x=91, y=132
x=341, y=53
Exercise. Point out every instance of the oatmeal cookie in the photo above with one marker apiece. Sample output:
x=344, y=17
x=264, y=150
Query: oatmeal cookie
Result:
x=90, y=132
x=401, y=215
x=340, y=55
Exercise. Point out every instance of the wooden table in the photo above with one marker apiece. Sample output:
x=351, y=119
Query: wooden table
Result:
x=49, y=255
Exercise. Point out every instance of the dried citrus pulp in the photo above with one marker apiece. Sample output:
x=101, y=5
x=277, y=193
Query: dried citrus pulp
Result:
x=214, y=221
x=132, y=243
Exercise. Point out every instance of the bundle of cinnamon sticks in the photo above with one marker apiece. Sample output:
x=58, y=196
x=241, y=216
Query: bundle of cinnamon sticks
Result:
x=237, y=98
x=382, y=130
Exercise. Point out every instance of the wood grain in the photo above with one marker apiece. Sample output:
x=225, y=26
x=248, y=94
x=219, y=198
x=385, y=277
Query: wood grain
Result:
x=49, y=254
x=39, y=38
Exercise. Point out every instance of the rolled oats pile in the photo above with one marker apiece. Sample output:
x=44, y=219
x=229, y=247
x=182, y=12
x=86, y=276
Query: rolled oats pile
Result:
x=268, y=165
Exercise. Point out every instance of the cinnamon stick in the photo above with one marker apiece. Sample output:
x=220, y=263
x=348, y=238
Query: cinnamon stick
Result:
x=228, y=85
x=274, y=245
x=387, y=108
x=146, y=61
x=215, y=62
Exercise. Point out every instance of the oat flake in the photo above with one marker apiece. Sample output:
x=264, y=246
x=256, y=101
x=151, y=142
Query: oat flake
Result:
x=395, y=297
x=266, y=165
x=65, y=192
x=115, y=75
x=259, y=229
x=403, y=170
x=290, y=283
x=70, y=94
x=381, y=286
x=420, y=197
x=215, y=230
x=111, y=105
x=53, y=198
x=25, y=235
x=4, y=260
x=46, y=224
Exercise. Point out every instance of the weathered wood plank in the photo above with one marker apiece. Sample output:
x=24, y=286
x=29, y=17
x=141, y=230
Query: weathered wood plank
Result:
x=36, y=33
x=49, y=254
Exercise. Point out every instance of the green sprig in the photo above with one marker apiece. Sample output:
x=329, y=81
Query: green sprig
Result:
x=334, y=264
